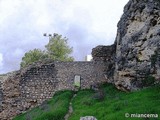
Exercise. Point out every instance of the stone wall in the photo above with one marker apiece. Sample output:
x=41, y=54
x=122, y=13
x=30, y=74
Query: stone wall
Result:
x=134, y=55
x=28, y=88
x=89, y=72
x=31, y=86
x=106, y=55
x=38, y=83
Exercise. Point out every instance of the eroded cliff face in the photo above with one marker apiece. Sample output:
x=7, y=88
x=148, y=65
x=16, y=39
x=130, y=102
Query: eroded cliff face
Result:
x=137, y=41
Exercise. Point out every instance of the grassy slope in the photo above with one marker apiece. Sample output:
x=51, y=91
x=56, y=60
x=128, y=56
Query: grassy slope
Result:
x=116, y=103
x=114, y=106
x=54, y=109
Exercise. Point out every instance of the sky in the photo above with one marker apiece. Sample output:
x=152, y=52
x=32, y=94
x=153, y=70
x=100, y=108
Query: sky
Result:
x=86, y=24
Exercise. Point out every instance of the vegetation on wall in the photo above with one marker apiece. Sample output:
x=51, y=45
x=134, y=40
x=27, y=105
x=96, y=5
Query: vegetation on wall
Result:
x=57, y=49
x=33, y=56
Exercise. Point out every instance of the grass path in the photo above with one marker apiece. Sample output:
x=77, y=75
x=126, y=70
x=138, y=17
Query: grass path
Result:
x=70, y=111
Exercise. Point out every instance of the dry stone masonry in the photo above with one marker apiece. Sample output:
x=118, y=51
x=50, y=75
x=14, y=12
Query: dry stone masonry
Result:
x=133, y=59
x=106, y=55
x=31, y=86
x=90, y=73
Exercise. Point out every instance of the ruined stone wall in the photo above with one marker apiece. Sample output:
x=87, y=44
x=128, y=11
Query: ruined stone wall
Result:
x=135, y=54
x=28, y=88
x=106, y=55
x=31, y=86
x=38, y=83
x=89, y=72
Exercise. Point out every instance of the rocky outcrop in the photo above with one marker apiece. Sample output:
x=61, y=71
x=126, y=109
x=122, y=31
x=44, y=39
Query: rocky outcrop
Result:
x=137, y=45
x=137, y=41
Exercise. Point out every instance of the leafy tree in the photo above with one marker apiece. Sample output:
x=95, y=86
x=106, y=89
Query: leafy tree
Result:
x=58, y=49
x=33, y=56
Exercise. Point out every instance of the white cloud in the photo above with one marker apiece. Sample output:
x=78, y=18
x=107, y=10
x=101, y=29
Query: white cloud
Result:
x=87, y=23
x=18, y=52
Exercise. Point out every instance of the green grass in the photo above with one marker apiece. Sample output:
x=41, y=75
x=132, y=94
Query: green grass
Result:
x=112, y=105
x=54, y=109
x=116, y=103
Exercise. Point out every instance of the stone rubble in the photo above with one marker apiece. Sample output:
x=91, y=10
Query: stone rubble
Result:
x=88, y=118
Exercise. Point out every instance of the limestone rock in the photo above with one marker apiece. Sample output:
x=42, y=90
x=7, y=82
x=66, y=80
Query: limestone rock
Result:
x=88, y=118
x=136, y=51
x=137, y=40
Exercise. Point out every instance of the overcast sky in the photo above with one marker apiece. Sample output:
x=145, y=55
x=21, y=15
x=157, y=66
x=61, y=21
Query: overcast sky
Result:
x=86, y=23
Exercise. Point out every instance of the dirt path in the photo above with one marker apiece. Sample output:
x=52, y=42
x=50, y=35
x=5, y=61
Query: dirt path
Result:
x=70, y=108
